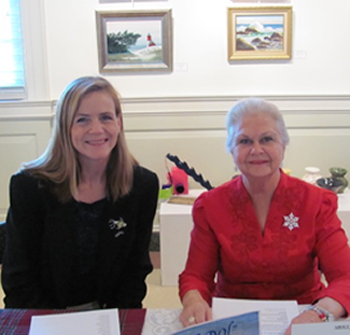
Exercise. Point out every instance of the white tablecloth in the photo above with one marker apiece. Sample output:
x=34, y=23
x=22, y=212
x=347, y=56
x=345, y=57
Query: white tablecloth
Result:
x=161, y=322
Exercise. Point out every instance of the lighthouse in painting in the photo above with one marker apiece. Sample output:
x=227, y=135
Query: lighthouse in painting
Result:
x=150, y=43
x=152, y=52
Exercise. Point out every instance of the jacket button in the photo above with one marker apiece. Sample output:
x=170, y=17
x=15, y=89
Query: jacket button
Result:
x=104, y=306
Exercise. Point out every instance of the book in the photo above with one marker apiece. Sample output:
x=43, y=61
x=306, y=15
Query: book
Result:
x=244, y=324
x=274, y=315
x=246, y=317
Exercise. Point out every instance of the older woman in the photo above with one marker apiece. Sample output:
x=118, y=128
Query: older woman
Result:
x=265, y=234
x=81, y=216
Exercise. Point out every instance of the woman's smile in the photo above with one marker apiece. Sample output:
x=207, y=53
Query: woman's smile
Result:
x=97, y=142
x=258, y=162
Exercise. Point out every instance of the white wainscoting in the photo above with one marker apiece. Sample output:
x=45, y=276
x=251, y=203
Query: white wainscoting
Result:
x=25, y=129
x=192, y=128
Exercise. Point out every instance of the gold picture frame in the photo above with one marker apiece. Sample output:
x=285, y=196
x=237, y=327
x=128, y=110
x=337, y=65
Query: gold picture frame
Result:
x=134, y=40
x=260, y=33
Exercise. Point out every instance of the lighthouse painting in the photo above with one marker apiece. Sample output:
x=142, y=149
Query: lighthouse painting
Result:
x=134, y=40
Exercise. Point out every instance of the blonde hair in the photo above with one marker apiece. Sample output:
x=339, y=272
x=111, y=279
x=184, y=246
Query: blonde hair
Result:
x=60, y=165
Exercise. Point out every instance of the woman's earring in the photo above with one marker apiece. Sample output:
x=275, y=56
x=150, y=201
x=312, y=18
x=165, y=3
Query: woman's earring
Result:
x=235, y=168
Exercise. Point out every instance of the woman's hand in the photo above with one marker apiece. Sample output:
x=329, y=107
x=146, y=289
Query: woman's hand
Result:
x=195, y=309
x=305, y=317
x=310, y=316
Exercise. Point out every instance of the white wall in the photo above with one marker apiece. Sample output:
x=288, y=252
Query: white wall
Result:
x=321, y=47
x=183, y=112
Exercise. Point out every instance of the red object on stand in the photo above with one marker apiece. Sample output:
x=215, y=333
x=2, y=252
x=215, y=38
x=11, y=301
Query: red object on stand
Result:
x=179, y=180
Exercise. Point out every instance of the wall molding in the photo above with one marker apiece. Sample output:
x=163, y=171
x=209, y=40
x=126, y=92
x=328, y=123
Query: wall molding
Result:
x=162, y=114
x=199, y=101
x=26, y=110
x=215, y=103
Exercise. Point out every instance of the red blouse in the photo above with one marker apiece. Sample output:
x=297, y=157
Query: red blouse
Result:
x=302, y=235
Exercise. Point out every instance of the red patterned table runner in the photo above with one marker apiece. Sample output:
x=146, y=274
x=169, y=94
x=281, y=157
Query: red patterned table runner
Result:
x=17, y=321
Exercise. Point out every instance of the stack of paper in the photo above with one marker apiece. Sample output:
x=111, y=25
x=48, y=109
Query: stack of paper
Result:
x=100, y=322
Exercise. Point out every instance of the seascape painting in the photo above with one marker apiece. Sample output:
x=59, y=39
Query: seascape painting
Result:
x=134, y=41
x=259, y=32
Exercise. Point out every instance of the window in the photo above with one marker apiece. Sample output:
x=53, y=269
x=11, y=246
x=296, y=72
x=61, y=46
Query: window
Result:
x=12, y=74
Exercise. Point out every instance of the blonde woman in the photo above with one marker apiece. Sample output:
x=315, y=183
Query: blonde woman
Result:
x=80, y=216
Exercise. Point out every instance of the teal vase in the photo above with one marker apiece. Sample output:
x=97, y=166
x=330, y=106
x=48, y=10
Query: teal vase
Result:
x=339, y=173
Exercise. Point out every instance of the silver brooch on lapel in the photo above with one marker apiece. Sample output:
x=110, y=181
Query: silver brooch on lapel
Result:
x=117, y=225
x=291, y=221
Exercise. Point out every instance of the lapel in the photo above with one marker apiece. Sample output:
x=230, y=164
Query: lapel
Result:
x=62, y=245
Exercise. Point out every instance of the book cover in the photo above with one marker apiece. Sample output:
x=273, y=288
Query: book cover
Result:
x=244, y=324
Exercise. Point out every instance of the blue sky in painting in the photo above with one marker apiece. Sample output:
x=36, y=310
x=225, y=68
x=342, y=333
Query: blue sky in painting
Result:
x=263, y=19
x=266, y=22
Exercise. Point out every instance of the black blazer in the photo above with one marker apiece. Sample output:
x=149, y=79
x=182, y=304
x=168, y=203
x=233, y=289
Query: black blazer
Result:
x=40, y=246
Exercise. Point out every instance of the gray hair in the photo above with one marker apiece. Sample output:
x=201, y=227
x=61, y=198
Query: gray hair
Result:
x=253, y=106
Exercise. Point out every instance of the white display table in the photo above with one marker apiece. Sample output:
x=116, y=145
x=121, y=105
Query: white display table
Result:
x=175, y=223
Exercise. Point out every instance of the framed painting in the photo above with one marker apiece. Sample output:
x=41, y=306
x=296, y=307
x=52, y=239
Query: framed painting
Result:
x=134, y=40
x=260, y=33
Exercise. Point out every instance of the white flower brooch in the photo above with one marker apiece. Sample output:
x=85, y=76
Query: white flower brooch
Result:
x=291, y=221
x=117, y=225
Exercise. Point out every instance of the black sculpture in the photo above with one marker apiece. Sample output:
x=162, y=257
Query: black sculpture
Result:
x=190, y=171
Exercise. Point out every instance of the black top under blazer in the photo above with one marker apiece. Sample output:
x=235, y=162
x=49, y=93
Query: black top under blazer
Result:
x=40, y=246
